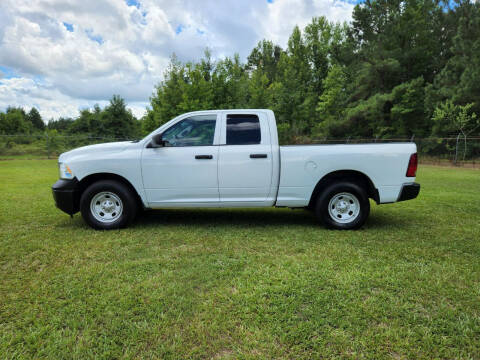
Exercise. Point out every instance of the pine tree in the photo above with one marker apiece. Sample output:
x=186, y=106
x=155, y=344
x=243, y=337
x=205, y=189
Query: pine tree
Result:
x=35, y=118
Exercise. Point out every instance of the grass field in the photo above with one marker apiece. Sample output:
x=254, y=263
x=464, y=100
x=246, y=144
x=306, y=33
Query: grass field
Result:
x=240, y=284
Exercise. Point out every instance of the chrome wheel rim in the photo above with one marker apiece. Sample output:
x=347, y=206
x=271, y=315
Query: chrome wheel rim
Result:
x=344, y=207
x=106, y=207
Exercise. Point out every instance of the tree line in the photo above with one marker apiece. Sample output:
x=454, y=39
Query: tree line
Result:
x=113, y=121
x=398, y=69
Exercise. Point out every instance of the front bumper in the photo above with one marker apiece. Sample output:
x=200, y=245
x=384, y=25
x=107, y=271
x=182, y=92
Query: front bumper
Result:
x=66, y=195
x=409, y=191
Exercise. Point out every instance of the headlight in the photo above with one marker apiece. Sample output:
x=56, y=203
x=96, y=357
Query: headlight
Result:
x=65, y=171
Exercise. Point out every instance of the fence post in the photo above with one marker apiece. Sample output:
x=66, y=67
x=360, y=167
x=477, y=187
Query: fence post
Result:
x=456, y=150
x=413, y=137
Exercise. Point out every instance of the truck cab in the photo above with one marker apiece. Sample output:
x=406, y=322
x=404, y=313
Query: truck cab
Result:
x=220, y=158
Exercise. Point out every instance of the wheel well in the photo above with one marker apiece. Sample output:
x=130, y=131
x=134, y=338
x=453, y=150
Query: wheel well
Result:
x=356, y=177
x=90, y=179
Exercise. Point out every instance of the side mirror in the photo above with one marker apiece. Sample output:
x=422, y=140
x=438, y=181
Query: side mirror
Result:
x=156, y=142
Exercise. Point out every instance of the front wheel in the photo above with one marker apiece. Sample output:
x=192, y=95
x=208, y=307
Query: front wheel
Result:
x=108, y=204
x=343, y=206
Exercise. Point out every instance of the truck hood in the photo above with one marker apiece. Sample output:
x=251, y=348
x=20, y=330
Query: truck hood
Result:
x=98, y=149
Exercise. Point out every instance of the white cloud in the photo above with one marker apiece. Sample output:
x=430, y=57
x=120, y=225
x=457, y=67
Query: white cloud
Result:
x=283, y=15
x=25, y=93
x=115, y=48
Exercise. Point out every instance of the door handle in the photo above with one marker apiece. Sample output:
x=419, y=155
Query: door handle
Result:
x=258, y=156
x=203, y=157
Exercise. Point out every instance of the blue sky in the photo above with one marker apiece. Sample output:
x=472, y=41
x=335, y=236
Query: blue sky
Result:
x=7, y=73
x=65, y=55
x=133, y=3
x=68, y=26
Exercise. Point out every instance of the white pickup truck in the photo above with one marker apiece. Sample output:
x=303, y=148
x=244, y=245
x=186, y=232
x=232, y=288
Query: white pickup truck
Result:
x=231, y=158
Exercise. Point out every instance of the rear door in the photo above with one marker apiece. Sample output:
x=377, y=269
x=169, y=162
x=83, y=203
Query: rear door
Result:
x=245, y=158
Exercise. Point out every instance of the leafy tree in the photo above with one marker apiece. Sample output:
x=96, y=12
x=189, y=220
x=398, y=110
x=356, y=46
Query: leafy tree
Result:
x=449, y=118
x=196, y=90
x=148, y=123
x=369, y=118
x=13, y=122
x=331, y=104
x=324, y=41
x=36, y=119
x=264, y=58
x=459, y=80
x=403, y=30
x=168, y=95
x=82, y=124
x=53, y=142
x=118, y=121
x=229, y=84
x=61, y=125
x=408, y=110
x=259, y=90
x=452, y=119
x=295, y=98
x=399, y=49
x=91, y=123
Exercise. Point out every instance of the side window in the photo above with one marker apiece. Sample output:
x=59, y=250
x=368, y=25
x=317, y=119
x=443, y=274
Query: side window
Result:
x=243, y=130
x=193, y=131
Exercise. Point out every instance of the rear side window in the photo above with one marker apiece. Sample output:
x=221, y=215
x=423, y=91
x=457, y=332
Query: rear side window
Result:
x=243, y=130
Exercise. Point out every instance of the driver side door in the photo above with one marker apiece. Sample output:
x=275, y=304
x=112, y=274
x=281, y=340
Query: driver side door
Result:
x=184, y=171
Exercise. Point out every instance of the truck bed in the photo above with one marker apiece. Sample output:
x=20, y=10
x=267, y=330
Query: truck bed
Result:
x=302, y=166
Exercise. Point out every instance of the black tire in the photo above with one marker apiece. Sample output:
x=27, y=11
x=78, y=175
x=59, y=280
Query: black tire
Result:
x=128, y=202
x=335, y=191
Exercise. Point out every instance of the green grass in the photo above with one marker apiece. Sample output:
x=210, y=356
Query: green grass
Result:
x=240, y=284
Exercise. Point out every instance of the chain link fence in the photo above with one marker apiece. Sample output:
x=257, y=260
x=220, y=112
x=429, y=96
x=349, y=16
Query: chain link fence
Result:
x=456, y=150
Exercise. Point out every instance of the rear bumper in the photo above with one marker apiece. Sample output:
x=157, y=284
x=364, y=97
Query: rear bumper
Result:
x=409, y=191
x=66, y=195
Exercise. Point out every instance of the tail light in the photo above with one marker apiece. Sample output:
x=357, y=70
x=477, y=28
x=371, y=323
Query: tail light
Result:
x=412, y=166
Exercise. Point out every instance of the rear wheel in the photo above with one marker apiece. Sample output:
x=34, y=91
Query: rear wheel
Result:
x=108, y=204
x=343, y=206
